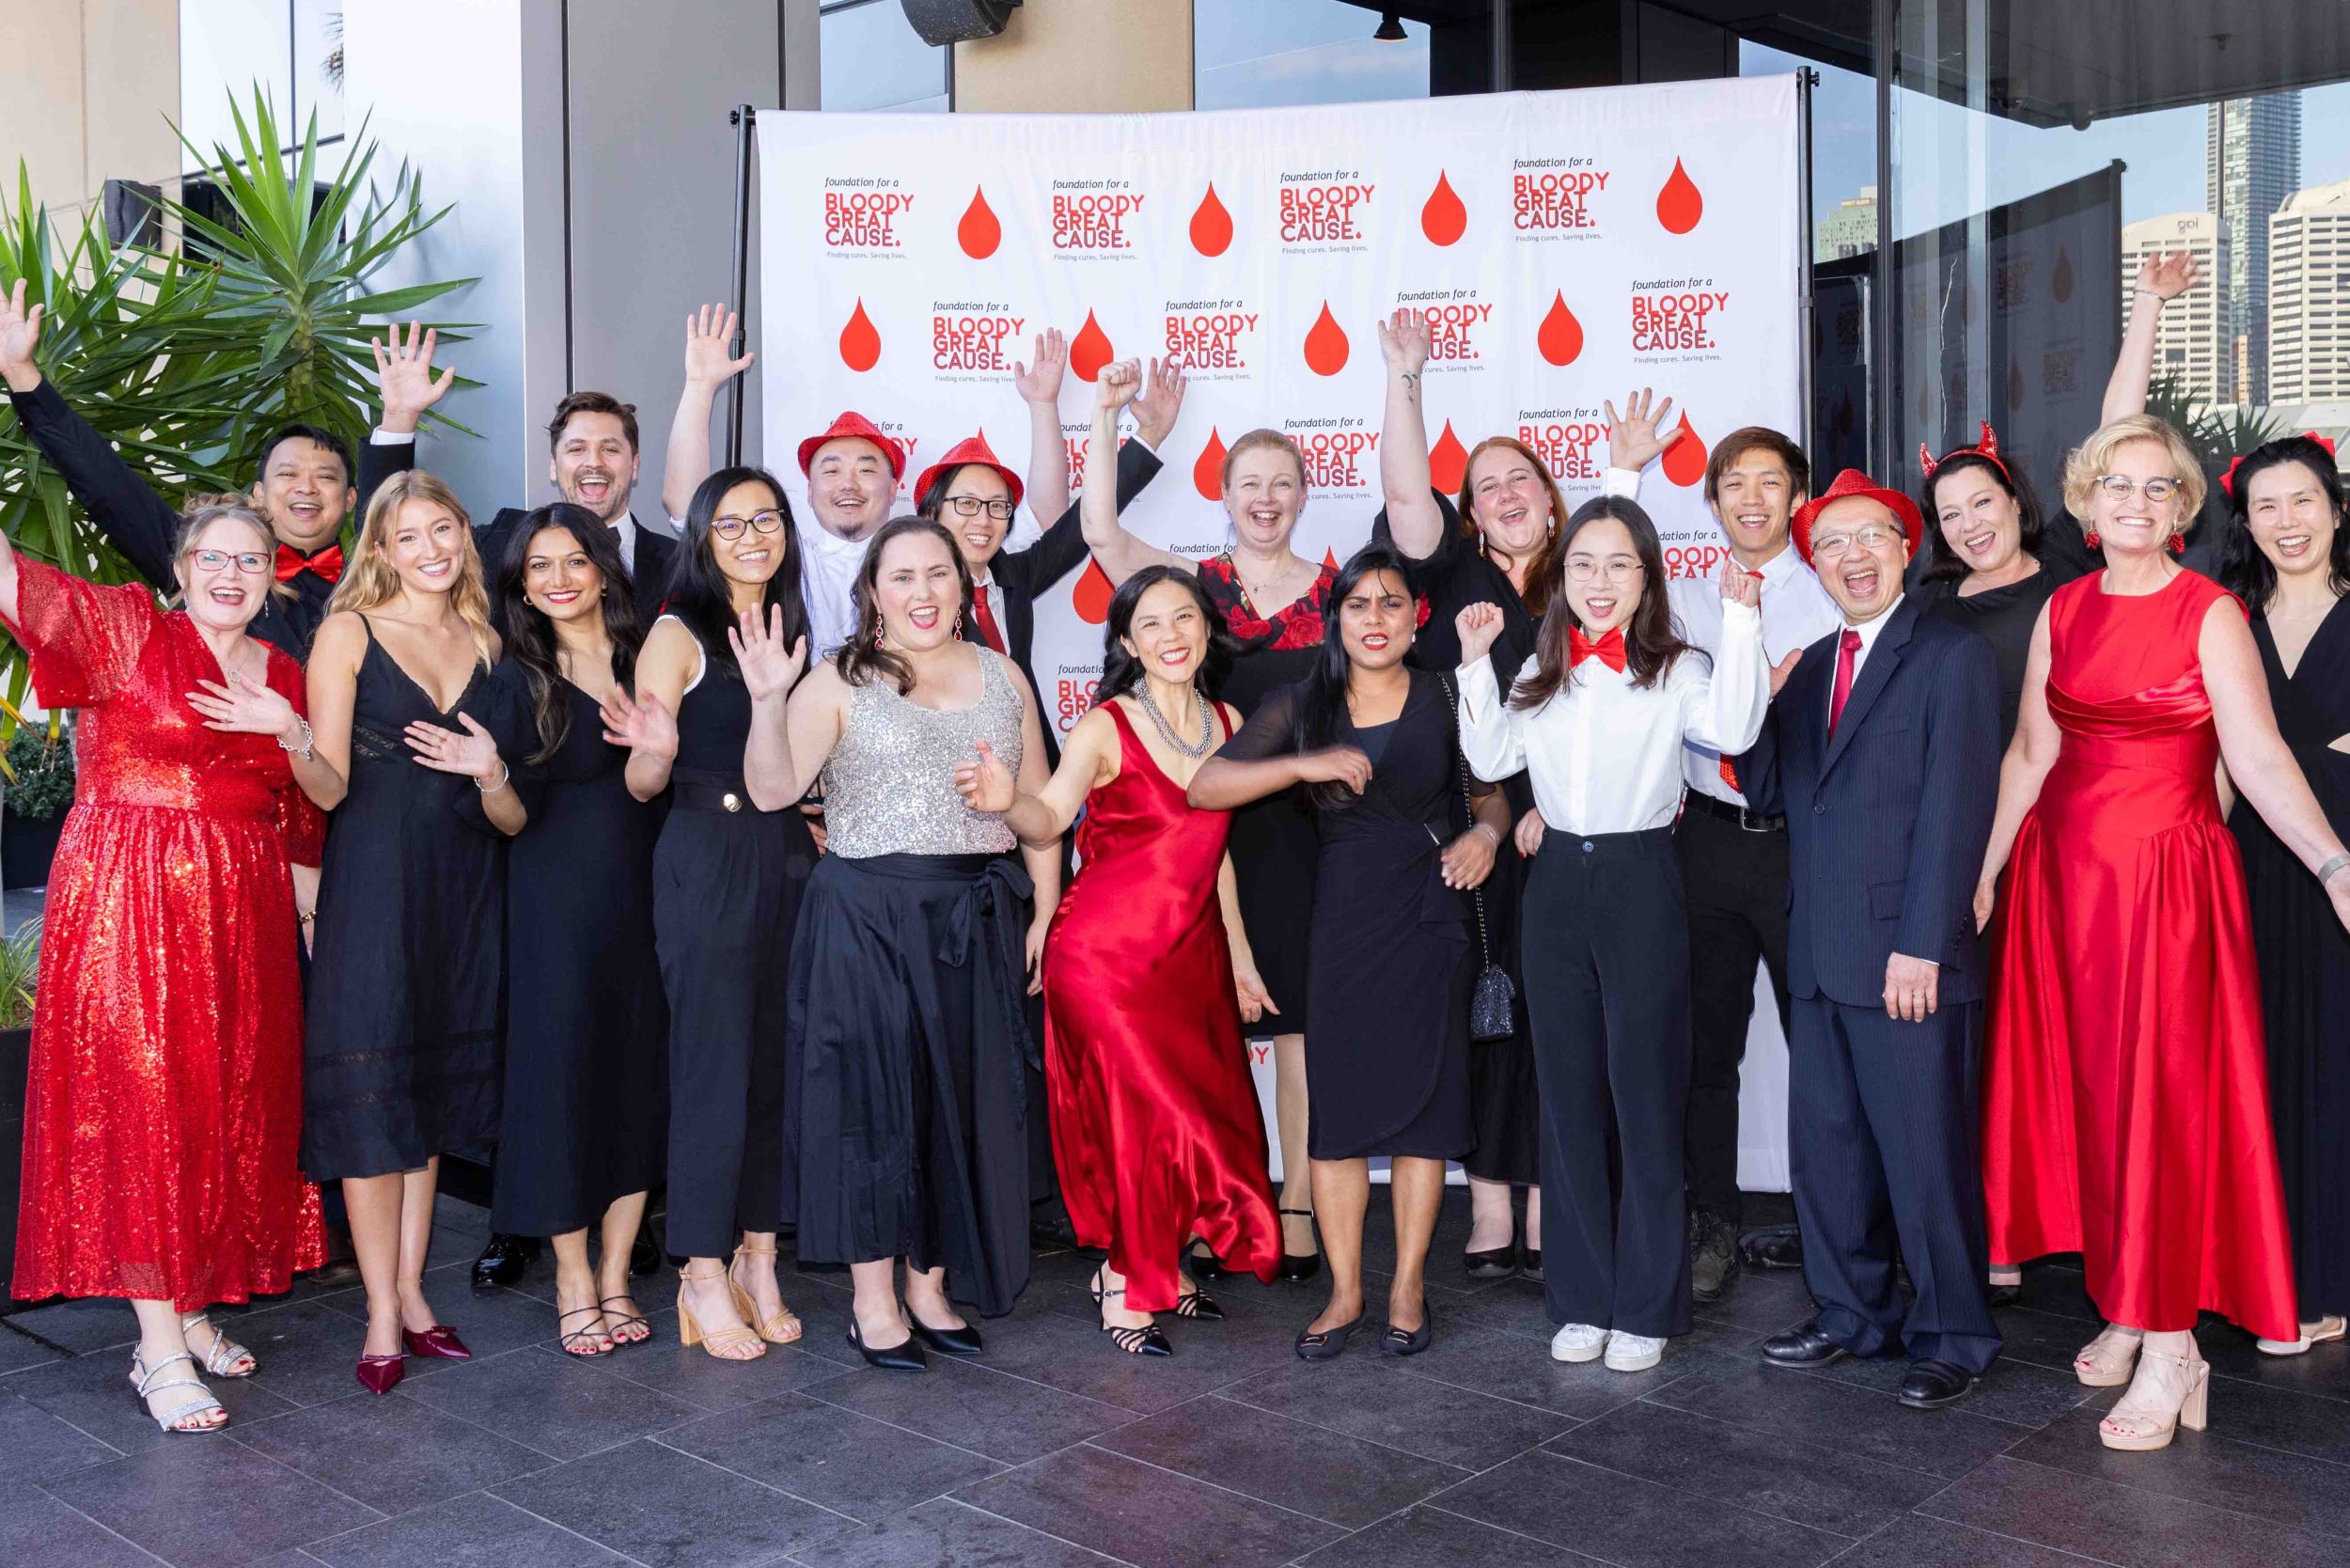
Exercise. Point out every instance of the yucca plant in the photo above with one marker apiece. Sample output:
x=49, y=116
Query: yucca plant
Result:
x=20, y=975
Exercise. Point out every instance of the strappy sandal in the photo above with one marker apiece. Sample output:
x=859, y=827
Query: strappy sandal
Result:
x=149, y=1381
x=1146, y=1340
x=721, y=1343
x=2104, y=1362
x=577, y=1336
x=617, y=1323
x=2169, y=1392
x=1196, y=1303
x=221, y=1360
x=784, y=1326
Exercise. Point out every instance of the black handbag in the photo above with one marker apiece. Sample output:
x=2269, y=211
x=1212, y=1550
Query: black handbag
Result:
x=1492, y=1011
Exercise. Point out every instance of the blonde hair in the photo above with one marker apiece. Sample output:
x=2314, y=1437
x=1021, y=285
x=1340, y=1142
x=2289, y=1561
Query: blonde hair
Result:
x=202, y=512
x=1261, y=440
x=2093, y=459
x=369, y=580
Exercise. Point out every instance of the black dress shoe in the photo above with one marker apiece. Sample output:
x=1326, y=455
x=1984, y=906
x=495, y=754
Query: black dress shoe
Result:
x=644, y=1258
x=1498, y=1263
x=1530, y=1263
x=502, y=1260
x=2004, y=1295
x=907, y=1356
x=1773, y=1247
x=1807, y=1346
x=947, y=1342
x=1930, y=1385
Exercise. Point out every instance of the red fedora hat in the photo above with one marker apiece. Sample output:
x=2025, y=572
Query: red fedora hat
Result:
x=1849, y=483
x=970, y=449
x=855, y=426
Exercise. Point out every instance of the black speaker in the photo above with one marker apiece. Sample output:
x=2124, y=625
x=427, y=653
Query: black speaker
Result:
x=955, y=20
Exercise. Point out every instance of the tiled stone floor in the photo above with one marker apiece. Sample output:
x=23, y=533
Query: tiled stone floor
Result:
x=1053, y=1450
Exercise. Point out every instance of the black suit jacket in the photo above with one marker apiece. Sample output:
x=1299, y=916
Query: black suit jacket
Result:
x=1887, y=822
x=1020, y=577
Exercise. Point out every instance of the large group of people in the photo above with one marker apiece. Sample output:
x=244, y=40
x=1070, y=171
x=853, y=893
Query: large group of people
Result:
x=737, y=870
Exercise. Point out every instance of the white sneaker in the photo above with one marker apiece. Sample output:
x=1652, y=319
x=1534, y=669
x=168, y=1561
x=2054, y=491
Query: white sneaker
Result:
x=1630, y=1353
x=1577, y=1342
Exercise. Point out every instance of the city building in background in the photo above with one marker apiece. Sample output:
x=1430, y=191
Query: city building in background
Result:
x=2308, y=296
x=2194, y=346
x=2251, y=163
x=1850, y=231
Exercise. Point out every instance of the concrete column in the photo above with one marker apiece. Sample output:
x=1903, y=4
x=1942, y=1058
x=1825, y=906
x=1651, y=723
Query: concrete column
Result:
x=1080, y=56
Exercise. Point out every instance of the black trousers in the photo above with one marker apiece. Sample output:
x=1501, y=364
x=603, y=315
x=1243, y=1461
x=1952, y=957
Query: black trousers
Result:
x=1883, y=1141
x=1606, y=944
x=1736, y=882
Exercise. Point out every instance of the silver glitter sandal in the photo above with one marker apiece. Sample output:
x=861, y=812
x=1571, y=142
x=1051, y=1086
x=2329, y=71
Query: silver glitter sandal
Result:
x=221, y=1360
x=149, y=1381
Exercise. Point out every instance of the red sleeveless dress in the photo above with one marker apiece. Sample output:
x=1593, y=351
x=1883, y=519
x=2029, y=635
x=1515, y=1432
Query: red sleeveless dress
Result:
x=2125, y=1088
x=1156, y=1127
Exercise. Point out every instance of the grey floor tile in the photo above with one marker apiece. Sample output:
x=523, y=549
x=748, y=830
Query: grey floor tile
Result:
x=1005, y=1417
x=1307, y=1469
x=944, y=1533
x=1143, y=1514
x=472, y=1531
x=1379, y=1399
x=2323, y=1369
x=1947, y=1442
x=391, y=1454
x=1506, y=1307
x=36, y=1445
x=1518, y=1368
x=1430, y=1537
x=308, y=1352
x=671, y=1510
x=1075, y=1356
x=2281, y=1418
x=1764, y=1300
x=544, y=1400
x=2206, y=1468
x=2046, y=1339
x=2122, y=1525
x=830, y=1456
x=705, y=1382
x=19, y=1350
x=1636, y=1524
x=1765, y=1472
x=38, y=1529
x=2016, y=1392
x=205, y=1502
x=94, y=1393
x=1914, y=1541
x=79, y=1327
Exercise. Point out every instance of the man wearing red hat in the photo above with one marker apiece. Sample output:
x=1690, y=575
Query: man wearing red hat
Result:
x=1883, y=752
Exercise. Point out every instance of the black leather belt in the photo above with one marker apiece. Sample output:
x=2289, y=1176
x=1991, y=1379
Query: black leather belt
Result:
x=1745, y=820
x=692, y=796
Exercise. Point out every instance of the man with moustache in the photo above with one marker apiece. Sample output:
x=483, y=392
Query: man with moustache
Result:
x=1883, y=752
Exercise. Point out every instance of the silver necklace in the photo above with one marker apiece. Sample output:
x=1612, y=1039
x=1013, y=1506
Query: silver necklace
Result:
x=1166, y=730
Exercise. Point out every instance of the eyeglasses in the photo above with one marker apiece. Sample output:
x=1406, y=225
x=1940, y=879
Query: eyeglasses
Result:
x=971, y=506
x=1618, y=571
x=1868, y=536
x=250, y=562
x=2119, y=488
x=731, y=527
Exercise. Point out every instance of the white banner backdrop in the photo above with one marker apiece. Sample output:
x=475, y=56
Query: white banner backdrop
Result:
x=1569, y=245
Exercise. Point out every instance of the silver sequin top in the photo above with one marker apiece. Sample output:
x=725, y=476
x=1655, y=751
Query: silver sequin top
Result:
x=889, y=785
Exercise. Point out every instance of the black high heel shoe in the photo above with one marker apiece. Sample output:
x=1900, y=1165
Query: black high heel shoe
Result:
x=1203, y=1265
x=1146, y=1340
x=1493, y=1262
x=947, y=1342
x=1196, y=1303
x=907, y=1356
x=1299, y=1265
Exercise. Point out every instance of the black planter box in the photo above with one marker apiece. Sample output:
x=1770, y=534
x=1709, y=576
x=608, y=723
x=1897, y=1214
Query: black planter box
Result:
x=27, y=844
x=16, y=1049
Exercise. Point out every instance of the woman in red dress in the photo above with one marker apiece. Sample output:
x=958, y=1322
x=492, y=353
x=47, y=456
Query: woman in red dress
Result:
x=2125, y=1102
x=163, y=1104
x=1156, y=1127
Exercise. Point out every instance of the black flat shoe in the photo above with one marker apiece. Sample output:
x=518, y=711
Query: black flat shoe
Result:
x=644, y=1258
x=1328, y=1344
x=2004, y=1295
x=1931, y=1385
x=907, y=1356
x=1773, y=1247
x=1807, y=1346
x=1498, y=1263
x=502, y=1260
x=1530, y=1263
x=1395, y=1341
x=1299, y=1265
x=947, y=1342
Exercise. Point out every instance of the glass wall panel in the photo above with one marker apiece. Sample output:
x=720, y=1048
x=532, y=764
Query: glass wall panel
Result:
x=870, y=58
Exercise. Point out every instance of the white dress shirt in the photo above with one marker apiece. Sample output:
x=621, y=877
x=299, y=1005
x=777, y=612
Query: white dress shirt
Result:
x=1603, y=756
x=1796, y=613
x=828, y=569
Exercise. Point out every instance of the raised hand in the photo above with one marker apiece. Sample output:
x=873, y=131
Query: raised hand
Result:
x=1336, y=764
x=1477, y=626
x=1040, y=383
x=710, y=347
x=1632, y=439
x=1160, y=399
x=1121, y=383
x=1739, y=585
x=639, y=723
x=1781, y=671
x=1255, y=1000
x=985, y=783
x=1529, y=834
x=20, y=334
x=473, y=753
x=769, y=666
x=1403, y=339
x=2167, y=278
x=403, y=375
x=240, y=707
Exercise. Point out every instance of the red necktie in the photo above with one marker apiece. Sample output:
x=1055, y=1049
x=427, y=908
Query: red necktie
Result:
x=988, y=633
x=327, y=565
x=1847, y=655
x=1609, y=649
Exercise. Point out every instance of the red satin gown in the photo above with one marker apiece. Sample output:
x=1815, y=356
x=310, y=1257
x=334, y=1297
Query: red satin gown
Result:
x=2125, y=1086
x=164, y=1106
x=1156, y=1127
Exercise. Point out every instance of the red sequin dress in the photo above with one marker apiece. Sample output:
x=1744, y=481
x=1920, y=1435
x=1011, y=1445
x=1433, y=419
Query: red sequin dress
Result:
x=163, y=1105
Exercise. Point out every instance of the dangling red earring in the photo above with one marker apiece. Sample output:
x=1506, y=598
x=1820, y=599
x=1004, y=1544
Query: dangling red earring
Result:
x=2094, y=540
x=877, y=640
x=2178, y=545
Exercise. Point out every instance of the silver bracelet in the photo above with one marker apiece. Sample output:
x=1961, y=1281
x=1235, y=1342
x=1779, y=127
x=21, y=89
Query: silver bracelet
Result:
x=2326, y=872
x=303, y=750
x=505, y=777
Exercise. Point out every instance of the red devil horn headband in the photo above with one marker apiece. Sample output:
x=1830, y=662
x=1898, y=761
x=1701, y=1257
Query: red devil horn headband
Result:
x=1988, y=448
x=2227, y=481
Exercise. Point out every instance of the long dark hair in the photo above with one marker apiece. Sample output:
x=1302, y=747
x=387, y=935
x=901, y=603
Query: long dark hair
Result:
x=2243, y=569
x=530, y=639
x=1322, y=710
x=1650, y=643
x=1121, y=672
x=862, y=657
x=699, y=593
x=1943, y=563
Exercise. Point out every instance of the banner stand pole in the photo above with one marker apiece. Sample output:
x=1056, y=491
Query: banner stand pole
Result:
x=742, y=118
x=1807, y=323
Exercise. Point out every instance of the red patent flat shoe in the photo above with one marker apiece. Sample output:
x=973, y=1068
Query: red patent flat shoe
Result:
x=380, y=1374
x=440, y=1342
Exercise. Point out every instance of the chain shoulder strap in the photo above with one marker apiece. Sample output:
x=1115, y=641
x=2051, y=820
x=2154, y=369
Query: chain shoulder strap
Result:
x=1468, y=803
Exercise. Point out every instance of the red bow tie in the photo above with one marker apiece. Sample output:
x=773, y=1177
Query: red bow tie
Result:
x=327, y=565
x=1609, y=649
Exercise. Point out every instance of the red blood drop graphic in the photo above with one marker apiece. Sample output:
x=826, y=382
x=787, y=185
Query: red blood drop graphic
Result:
x=1090, y=348
x=1685, y=459
x=860, y=344
x=1560, y=338
x=1210, y=224
x=1092, y=597
x=1444, y=219
x=1447, y=461
x=2016, y=384
x=1325, y=344
x=1207, y=475
x=978, y=233
x=1680, y=204
x=2060, y=281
